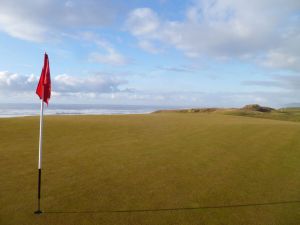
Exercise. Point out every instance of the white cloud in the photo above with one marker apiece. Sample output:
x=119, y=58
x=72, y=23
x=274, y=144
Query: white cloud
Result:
x=111, y=57
x=61, y=84
x=107, y=53
x=277, y=59
x=91, y=84
x=285, y=82
x=143, y=21
x=14, y=26
x=39, y=20
x=179, y=69
x=15, y=82
x=225, y=29
x=149, y=46
x=145, y=24
x=287, y=55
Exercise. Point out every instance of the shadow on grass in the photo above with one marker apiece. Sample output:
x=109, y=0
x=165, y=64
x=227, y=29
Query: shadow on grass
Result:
x=177, y=209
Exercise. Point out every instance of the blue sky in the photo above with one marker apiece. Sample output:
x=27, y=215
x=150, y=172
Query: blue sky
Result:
x=181, y=53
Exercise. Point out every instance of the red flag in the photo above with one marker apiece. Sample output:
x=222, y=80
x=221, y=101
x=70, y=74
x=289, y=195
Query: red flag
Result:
x=43, y=89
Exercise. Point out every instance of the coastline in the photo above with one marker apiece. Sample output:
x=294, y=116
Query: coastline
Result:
x=76, y=114
x=25, y=110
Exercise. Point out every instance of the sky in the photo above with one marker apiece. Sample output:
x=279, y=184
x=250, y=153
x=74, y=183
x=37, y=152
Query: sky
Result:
x=199, y=53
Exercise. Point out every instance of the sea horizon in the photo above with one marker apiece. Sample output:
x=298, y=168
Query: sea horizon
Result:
x=8, y=110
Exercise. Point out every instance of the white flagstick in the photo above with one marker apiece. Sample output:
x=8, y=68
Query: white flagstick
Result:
x=40, y=154
x=41, y=134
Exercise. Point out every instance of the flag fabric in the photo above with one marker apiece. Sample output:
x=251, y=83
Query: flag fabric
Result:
x=43, y=89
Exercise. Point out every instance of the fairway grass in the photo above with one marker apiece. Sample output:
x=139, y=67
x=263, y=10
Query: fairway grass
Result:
x=200, y=168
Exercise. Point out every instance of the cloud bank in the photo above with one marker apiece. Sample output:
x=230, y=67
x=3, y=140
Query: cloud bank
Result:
x=61, y=84
x=112, y=90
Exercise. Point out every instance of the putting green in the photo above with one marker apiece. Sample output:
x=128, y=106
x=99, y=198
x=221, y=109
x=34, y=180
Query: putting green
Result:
x=201, y=168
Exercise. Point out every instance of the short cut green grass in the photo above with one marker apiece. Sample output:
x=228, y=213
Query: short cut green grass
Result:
x=93, y=164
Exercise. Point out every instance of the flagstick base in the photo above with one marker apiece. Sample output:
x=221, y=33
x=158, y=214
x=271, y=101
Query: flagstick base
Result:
x=38, y=212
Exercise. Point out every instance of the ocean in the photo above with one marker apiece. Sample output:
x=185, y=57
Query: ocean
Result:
x=19, y=110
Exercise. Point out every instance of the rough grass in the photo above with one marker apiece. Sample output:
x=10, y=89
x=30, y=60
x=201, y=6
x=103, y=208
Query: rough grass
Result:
x=287, y=114
x=93, y=164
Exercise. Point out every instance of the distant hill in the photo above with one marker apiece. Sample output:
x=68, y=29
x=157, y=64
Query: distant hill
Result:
x=252, y=110
x=258, y=108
